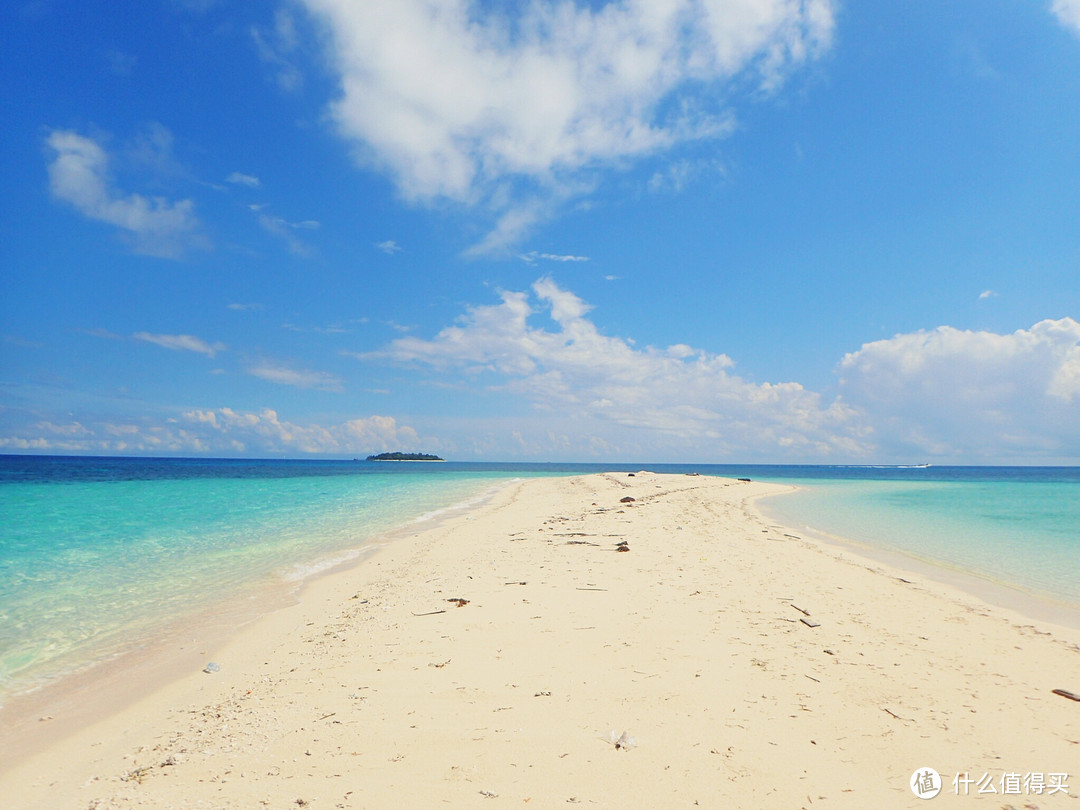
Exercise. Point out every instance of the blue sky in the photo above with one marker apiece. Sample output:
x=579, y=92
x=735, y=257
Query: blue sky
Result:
x=664, y=230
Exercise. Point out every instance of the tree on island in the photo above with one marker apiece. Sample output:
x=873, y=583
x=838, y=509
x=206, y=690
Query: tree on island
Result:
x=404, y=457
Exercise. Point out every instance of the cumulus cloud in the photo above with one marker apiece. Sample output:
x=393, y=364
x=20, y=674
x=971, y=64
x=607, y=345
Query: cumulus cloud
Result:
x=604, y=388
x=79, y=175
x=389, y=247
x=266, y=431
x=1068, y=14
x=299, y=378
x=514, y=107
x=186, y=343
x=941, y=395
x=977, y=395
x=220, y=430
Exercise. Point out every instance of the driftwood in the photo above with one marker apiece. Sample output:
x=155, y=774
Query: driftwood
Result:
x=1066, y=694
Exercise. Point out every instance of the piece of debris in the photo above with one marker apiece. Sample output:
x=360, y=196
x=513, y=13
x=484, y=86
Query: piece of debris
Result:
x=623, y=546
x=487, y=794
x=212, y=668
x=1066, y=694
x=803, y=612
x=745, y=480
x=457, y=600
x=430, y=613
x=810, y=623
x=136, y=775
x=627, y=499
x=622, y=742
x=898, y=717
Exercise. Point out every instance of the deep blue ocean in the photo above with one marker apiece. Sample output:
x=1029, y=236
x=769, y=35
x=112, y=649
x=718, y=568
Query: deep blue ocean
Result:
x=98, y=553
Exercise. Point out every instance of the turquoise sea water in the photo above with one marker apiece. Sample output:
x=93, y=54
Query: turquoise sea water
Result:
x=98, y=553
x=1018, y=530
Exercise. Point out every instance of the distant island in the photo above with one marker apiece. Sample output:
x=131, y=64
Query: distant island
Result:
x=404, y=457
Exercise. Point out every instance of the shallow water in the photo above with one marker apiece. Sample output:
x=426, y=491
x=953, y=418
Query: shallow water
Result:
x=1024, y=533
x=91, y=559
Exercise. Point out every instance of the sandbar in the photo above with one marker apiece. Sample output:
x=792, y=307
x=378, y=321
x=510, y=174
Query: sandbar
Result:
x=612, y=641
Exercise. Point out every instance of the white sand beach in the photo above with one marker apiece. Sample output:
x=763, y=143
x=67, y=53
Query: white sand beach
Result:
x=496, y=660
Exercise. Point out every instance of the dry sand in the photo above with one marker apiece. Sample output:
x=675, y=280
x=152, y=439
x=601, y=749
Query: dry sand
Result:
x=379, y=691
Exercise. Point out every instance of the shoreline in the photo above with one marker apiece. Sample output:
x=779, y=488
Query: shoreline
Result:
x=375, y=688
x=43, y=715
x=998, y=593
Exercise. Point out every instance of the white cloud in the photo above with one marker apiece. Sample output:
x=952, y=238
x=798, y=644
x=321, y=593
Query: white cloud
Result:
x=70, y=429
x=668, y=400
x=285, y=230
x=266, y=431
x=679, y=174
x=389, y=247
x=79, y=175
x=274, y=48
x=943, y=395
x=151, y=152
x=186, y=343
x=99, y=332
x=241, y=179
x=987, y=294
x=221, y=430
x=516, y=109
x=120, y=64
x=1068, y=13
x=533, y=255
x=299, y=378
x=972, y=394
